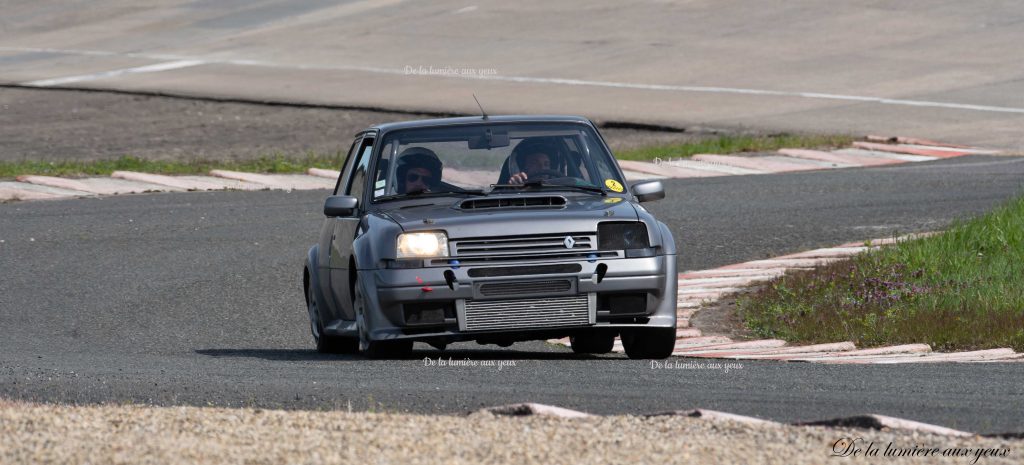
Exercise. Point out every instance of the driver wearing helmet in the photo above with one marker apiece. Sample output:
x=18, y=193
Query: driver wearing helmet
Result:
x=535, y=160
x=418, y=170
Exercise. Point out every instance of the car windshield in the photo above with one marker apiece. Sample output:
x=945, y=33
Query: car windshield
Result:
x=497, y=157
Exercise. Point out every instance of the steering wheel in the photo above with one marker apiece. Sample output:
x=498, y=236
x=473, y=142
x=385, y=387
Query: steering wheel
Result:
x=545, y=174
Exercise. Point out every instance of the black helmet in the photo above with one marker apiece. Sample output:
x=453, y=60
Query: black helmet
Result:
x=546, y=145
x=417, y=157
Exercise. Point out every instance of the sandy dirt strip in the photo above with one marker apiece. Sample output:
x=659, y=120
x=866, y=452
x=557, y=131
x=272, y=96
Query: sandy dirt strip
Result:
x=52, y=125
x=35, y=433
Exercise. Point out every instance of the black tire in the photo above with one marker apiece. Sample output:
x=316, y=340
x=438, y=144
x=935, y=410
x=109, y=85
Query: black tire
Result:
x=649, y=343
x=594, y=342
x=337, y=345
x=389, y=349
x=375, y=349
x=326, y=344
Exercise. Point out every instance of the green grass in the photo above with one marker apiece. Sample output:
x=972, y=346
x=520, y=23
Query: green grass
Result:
x=275, y=163
x=290, y=163
x=959, y=290
x=735, y=144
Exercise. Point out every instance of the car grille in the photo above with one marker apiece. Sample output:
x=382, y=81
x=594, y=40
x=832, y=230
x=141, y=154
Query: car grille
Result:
x=525, y=258
x=527, y=313
x=527, y=287
x=497, y=272
x=512, y=246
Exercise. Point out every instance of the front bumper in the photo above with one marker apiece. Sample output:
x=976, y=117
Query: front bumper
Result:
x=432, y=302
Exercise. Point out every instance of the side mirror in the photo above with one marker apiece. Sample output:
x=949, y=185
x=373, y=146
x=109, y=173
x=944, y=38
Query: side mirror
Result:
x=648, y=190
x=340, y=205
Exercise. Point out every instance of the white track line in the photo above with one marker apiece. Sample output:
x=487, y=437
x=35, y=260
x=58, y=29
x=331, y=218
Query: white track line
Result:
x=800, y=351
x=950, y=149
x=46, y=191
x=557, y=81
x=98, y=186
x=885, y=155
x=686, y=343
x=320, y=172
x=8, y=193
x=688, y=291
x=712, y=167
x=734, y=272
x=830, y=252
x=989, y=354
x=743, y=345
x=114, y=73
x=721, y=282
x=790, y=262
x=841, y=160
x=277, y=181
x=187, y=183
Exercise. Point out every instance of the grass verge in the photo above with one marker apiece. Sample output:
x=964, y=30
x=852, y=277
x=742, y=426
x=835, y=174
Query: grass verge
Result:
x=958, y=290
x=735, y=144
x=286, y=163
x=276, y=163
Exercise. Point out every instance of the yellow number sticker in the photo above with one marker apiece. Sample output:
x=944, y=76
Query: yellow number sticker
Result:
x=613, y=185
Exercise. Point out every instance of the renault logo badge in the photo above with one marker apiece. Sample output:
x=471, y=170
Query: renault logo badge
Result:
x=569, y=242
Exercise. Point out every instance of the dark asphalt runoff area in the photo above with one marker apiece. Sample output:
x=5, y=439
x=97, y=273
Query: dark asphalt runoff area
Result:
x=196, y=299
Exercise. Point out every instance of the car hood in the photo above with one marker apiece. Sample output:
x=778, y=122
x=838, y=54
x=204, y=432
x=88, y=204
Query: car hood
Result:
x=580, y=213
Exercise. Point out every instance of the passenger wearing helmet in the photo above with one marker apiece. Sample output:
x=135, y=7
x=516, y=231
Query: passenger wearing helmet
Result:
x=418, y=170
x=536, y=160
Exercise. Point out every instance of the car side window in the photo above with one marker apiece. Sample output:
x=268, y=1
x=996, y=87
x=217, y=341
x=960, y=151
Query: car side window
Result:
x=357, y=182
x=380, y=180
x=602, y=165
x=345, y=167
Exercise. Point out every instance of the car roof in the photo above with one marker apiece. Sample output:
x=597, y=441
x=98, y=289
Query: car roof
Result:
x=466, y=120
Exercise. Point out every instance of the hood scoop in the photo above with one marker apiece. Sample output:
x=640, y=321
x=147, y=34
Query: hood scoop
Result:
x=496, y=203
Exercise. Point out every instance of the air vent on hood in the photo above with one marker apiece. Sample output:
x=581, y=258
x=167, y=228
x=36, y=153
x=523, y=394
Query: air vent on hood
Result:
x=512, y=202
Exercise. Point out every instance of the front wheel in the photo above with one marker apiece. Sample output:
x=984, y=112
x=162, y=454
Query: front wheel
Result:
x=649, y=343
x=370, y=348
x=594, y=342
x=326, y=344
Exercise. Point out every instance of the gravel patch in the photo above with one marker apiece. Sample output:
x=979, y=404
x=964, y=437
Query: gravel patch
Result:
x=53, y=124
x=44, y=433
x=721, y=318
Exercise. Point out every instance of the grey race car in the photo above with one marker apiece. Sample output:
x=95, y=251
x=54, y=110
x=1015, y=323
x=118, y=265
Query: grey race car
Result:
x=492, y=229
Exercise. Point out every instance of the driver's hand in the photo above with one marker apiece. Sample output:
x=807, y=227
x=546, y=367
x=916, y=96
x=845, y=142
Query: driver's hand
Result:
x=518, y=178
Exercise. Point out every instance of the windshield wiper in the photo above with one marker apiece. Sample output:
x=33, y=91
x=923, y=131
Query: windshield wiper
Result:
x=543, y=183
x=424, y=194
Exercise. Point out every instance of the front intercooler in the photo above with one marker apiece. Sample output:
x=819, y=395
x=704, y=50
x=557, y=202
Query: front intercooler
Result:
x=551, y=312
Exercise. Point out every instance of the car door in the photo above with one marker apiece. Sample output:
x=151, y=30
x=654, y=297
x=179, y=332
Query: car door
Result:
x=329, y=305
x=353, y=183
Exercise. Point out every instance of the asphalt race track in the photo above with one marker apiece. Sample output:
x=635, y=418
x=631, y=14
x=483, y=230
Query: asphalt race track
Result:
x=195, y=298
